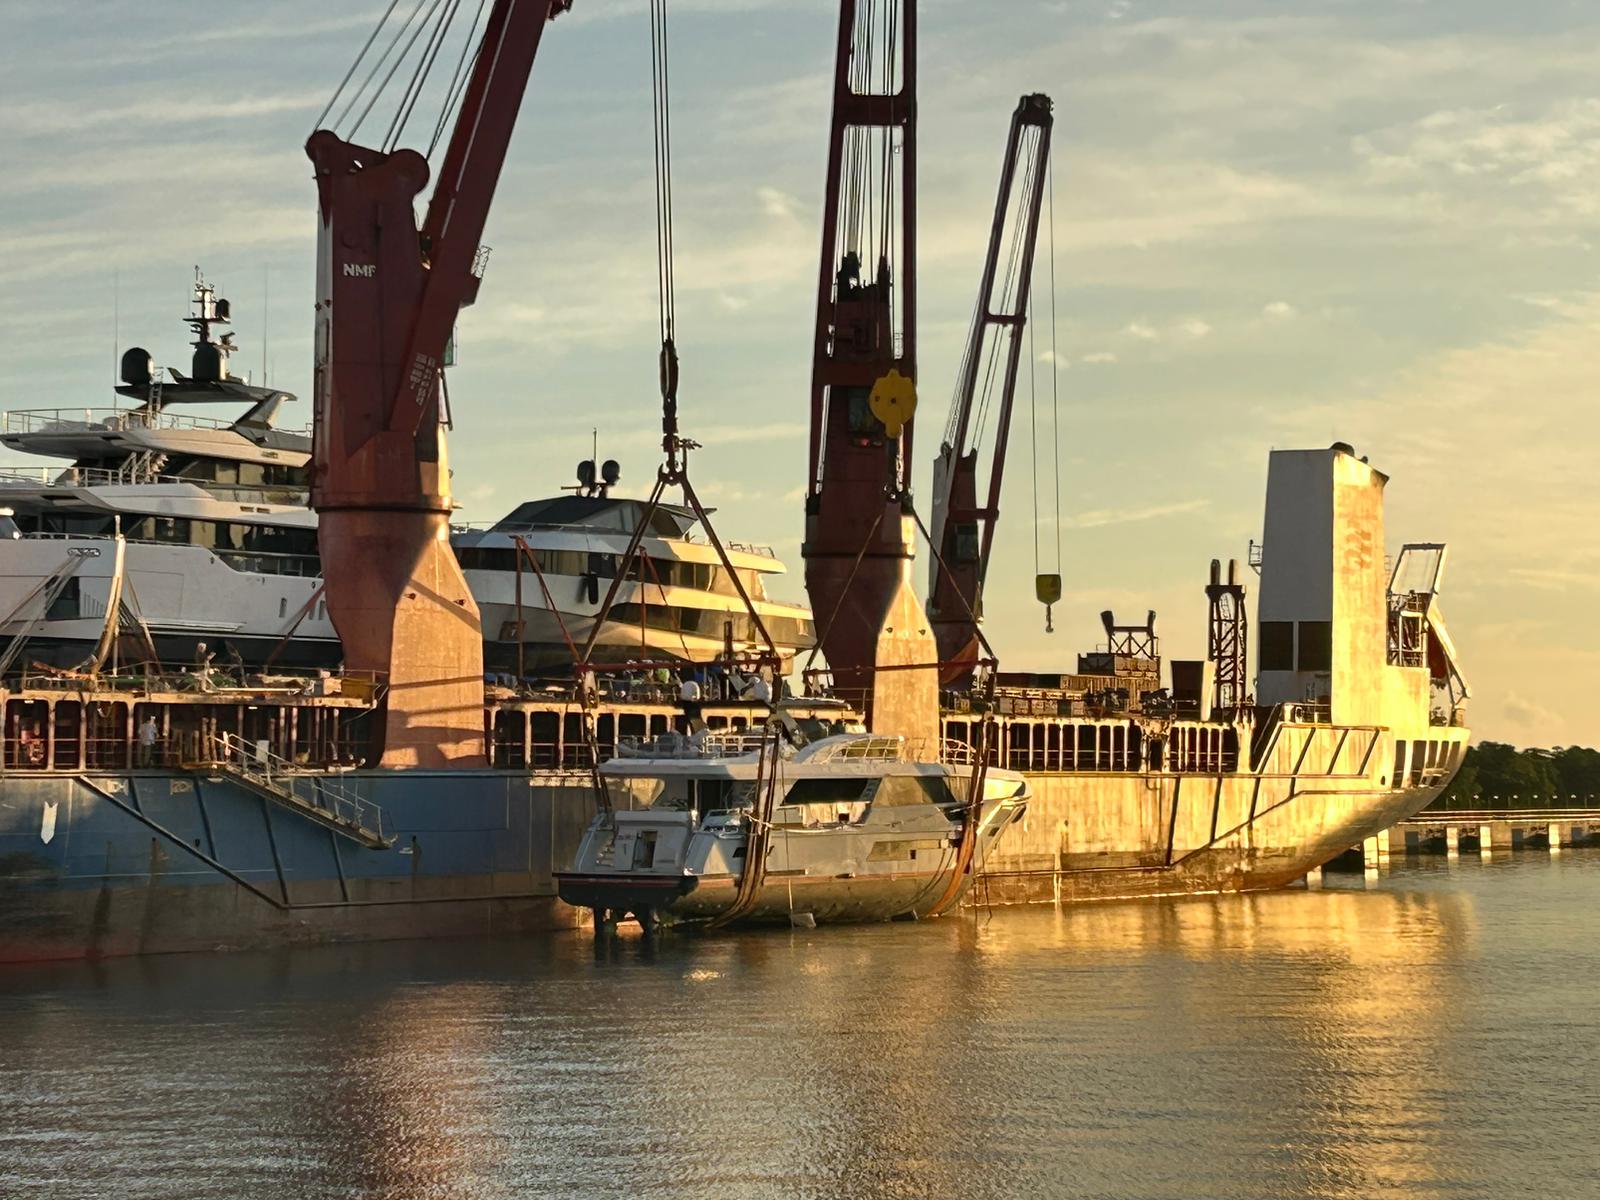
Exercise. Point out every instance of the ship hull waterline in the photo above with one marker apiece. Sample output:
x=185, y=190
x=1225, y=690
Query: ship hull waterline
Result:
x=129, y=863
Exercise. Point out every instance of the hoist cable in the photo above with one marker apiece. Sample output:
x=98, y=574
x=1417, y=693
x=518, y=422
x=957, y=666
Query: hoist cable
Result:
x=458, y=80
x=396, y=66
x=419, y=77
x=660, y=82
x=345, y=82
x=1033, y=429
x=1055, y=364
x=355, y=97
x=891, y=38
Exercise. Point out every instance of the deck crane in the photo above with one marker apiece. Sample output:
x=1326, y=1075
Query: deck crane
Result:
x=962, y=529
x=388, y=294
x=857, y=538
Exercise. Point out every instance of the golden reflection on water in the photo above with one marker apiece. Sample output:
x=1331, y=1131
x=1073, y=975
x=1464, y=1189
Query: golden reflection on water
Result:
x=1372, y=1007
x=1329, y=1044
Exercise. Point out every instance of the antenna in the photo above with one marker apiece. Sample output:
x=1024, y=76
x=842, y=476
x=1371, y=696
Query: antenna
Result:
x=116, y=319
x=265, y=295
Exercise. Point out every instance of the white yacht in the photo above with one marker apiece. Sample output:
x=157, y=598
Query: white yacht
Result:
x=800, y=824
x=196, y=528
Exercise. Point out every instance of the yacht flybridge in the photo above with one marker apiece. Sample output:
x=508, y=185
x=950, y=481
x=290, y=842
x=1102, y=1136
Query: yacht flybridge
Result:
x=218, y=544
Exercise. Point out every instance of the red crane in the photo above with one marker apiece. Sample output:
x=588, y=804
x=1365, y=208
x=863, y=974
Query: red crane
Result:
x=388, y=294
x=962, y=529
x=856, y=539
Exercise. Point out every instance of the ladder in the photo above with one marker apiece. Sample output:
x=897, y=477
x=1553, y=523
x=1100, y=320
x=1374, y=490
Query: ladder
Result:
x=327, y=800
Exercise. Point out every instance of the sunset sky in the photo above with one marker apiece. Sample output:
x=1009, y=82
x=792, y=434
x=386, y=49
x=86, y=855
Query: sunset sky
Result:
x=1276, y=225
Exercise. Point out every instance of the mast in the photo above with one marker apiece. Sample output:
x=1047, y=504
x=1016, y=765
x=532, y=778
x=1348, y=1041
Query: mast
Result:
x=857, y=537
x=388, y=294
x=962, y=529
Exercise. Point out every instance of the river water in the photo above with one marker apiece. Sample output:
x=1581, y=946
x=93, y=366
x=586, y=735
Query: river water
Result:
x=1432, y=1032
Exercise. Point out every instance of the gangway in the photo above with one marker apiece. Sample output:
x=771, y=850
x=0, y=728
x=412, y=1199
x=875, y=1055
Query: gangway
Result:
x=328, y=801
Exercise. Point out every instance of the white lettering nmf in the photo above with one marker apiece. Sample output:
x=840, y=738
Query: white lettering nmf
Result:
x=361, y=270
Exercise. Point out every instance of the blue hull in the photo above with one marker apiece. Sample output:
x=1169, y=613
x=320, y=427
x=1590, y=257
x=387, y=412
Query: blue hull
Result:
x=149, y=862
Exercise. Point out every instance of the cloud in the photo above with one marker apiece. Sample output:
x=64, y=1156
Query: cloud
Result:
x=1140, y=331
x=1530, y=715
x=1101, y=517
x=1099, y=357
x=1279, y=310
x=1193, y=328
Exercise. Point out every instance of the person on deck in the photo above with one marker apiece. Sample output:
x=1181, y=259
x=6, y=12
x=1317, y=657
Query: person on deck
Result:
x=149, y=732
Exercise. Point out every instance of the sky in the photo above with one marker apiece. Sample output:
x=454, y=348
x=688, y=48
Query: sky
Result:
x=1275, y=225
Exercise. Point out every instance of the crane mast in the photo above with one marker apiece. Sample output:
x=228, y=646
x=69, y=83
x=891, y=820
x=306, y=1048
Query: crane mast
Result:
x=388, y=294
x=962, y=528
x=858, y=541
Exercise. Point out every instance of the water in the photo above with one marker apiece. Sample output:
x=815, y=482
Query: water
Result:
x=1432, y=1035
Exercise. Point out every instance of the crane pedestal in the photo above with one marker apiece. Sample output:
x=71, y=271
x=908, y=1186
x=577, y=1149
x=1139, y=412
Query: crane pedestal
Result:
x=408, y=617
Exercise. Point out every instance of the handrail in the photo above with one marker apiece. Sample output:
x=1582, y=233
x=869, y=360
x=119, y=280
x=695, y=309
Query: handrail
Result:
x=261, y=766
x=71, y=420
x=70, y=477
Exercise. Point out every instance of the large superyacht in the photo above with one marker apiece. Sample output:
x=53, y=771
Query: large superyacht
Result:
x=200, y=526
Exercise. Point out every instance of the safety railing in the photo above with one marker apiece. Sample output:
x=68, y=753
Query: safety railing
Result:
x=112, y=420
x=734, y=744
x=319, y=790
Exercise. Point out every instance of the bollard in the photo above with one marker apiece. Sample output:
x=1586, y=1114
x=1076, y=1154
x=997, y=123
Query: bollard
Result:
x=1314, y=879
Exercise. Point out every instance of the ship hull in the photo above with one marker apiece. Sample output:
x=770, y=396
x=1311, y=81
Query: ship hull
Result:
x=163, y=861
x=168, y=861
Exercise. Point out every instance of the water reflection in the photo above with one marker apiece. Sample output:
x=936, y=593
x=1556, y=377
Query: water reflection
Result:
x=1337, y=1043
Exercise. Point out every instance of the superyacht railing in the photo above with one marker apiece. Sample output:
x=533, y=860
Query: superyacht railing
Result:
x=67, y=477
x=113, y=420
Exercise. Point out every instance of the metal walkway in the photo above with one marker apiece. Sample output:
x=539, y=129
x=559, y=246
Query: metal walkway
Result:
x=318, y=797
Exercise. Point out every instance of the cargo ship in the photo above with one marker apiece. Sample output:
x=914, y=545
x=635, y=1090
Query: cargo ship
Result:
x=149, y=807
x=249, y=820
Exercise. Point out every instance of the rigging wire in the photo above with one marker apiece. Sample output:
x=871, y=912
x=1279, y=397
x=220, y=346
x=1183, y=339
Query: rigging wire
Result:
x=343, y=83
x=662, y=114
x=361, y=91
x=1055, y=363
x=458, y=81
x=1033, y=429
x=419, y=77
x=400, y=58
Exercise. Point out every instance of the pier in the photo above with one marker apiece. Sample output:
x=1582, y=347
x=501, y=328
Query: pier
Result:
x=1483, y=831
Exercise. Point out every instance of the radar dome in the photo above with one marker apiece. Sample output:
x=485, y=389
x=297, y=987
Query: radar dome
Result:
x=207, y=364
x=610, y=471
x=138, y=368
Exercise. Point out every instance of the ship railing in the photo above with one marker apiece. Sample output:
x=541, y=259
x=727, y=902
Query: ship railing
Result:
x=322, y=788
x=70, y=477
x=866, y=748
x=735, y=744
x=110, y=420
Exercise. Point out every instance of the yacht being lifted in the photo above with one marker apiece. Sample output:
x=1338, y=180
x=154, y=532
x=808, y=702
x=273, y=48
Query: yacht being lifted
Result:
x=220, y=545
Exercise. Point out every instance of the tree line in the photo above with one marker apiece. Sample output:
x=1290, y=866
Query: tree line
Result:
x=1496, y=775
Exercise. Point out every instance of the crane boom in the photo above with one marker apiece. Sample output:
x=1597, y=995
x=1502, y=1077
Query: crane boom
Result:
x=856, y=541
x=962, y=529
x=388, y=294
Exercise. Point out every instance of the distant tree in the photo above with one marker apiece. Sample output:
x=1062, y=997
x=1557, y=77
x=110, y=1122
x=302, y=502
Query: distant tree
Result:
x=1498, y=775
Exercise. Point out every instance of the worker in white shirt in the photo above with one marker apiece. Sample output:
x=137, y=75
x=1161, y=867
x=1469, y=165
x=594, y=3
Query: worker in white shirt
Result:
x=148, y=733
